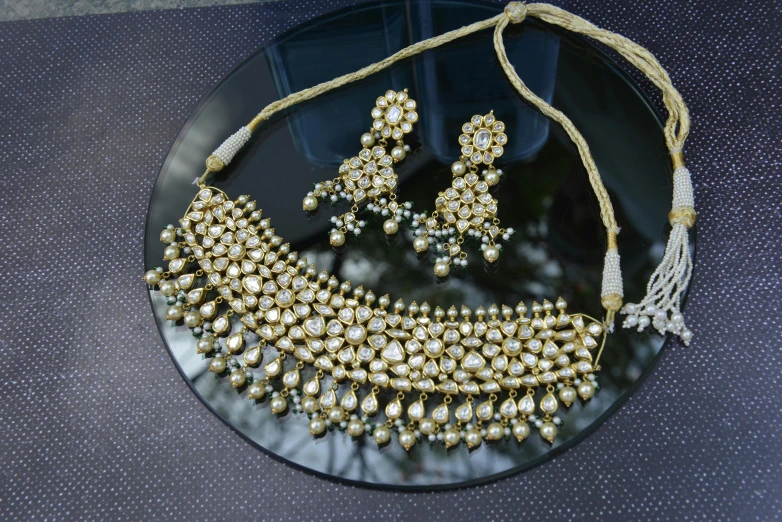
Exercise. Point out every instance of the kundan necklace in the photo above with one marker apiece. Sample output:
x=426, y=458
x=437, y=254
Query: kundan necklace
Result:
x=367, y=365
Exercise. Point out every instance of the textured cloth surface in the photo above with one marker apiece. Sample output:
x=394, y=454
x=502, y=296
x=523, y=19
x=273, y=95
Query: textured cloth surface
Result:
x=95, y=421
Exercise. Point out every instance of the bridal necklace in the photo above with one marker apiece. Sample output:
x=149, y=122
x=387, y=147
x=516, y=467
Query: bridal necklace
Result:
x=369, y=366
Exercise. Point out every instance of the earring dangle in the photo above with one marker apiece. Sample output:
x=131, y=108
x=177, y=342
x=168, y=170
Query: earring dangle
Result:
x=369, y=177
x=467, y=207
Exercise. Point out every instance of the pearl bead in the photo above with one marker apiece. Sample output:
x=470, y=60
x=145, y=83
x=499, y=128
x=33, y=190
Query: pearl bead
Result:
x=586, y=390
x=317, y=426
x=398, y=153
x=167, y=288
x=167, y=236
x=567, y=395
x=407, y=439
x=174, y=313
x=238, y=378
x=256, y=391
x=441, y=268
x=631, y=321
x=491, y=178
x=367, y=139
x=381, y=435
x=152, y=277
x=355, y=428
x=643, y=321
x=310, y=203
x=520, y=431
x=452, y=437
x=192, y=319
x=495, y=431
x=421, y=244
x=491, y=254
x=336, y=414
x=170, y=252
x=458, y=168
x=204, y=344
x=217, y=365
x=310, y=404
x=686, y=336
x=677, y=318
x=279, y=404
x=337, y=238
x=548, y=430
x=631, y=308
x=390, y=227
x=426, y=426
x=660, y=315
x=473, y=438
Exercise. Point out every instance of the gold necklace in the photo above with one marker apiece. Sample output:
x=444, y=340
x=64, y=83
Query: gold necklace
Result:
x=453, y=375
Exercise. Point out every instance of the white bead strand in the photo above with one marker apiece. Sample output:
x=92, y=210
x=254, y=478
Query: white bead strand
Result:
x=231, y=146
x=662, y=303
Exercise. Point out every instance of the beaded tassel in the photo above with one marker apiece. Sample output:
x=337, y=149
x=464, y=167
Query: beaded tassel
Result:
x=662, y=305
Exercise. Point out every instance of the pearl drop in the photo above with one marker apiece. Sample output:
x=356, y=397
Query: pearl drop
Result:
x=452, y=437
x=152, y=277
x=167, y=288
x=586, y=390
x=167, y=235
x=256, y=391
x=317, y=426
x=192, y=319
x=407, y=439
x=217, y=365
x=204, y=344
x=336, y=414
x=567, y=395
x=381, y=435
x=310, y=203
x=458, y=168
x=643, y=321
x=631, y=321
x=441, y=268
x=520, y=431
x=337, y=238
x=495, y=431
x=174, y=313
x=491, y=253
x=237, y=378
x=421, y=244
x=472, y=438
x=398, y=153
x=548, y=430
x=279, y=404
x=491, y=178
x=170, y=252
x=677, y=318
x=390, y=227
x=355, y=428
x=426, y=426
x=686, y=336
x=367, y=139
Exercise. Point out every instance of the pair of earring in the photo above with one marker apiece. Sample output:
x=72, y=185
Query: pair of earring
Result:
x=466, y=208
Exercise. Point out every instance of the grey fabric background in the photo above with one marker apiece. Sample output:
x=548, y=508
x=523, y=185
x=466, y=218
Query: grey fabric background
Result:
x=95, y=421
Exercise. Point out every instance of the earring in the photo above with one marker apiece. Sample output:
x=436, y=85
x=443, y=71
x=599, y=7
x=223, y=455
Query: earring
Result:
x=369, y=177
x=467, y=207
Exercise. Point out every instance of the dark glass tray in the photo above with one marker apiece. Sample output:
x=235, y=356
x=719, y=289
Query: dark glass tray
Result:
x=545, y=196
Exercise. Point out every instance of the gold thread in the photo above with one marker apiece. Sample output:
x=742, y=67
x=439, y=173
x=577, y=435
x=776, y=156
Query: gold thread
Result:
x=677, y=158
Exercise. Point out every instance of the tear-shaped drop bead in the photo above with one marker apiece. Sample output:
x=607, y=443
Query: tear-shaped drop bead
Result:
x=369, y=404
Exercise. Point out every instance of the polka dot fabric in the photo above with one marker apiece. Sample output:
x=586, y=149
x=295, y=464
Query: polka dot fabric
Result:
x=96, y=423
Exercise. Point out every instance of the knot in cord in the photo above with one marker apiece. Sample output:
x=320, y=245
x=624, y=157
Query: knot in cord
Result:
x=516, y=12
